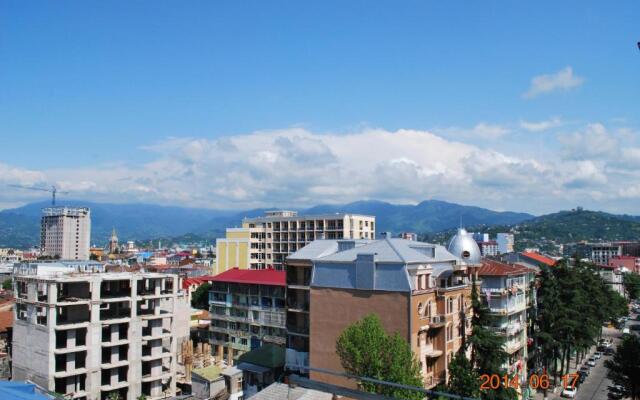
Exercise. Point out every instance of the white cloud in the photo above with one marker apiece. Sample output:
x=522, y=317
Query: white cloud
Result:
x=595, y=141
x=561, y=80
x=541, y=126
x=482, y=131
x=297, y=167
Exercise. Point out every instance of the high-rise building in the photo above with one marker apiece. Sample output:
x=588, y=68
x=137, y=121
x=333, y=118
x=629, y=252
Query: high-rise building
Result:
x=264, y=242
x=65, y=232
x=91, y=335
x=420, y=290
x=505, y=242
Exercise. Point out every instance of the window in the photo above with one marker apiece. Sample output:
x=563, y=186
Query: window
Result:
x=420, y=309
x=427, y=309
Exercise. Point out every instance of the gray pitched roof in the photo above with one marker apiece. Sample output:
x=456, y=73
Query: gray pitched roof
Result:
x=375, y=265
x=390, y=251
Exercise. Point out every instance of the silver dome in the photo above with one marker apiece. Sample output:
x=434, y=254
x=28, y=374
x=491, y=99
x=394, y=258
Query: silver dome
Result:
x=462, y=245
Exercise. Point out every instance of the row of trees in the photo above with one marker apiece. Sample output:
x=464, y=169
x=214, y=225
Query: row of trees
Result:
x=573, y=303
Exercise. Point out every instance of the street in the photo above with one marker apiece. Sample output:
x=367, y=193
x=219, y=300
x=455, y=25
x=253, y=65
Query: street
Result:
x=595, y=386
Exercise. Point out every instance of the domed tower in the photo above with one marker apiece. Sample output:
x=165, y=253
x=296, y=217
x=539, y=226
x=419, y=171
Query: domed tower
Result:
x=462, y=245
x=113, y=242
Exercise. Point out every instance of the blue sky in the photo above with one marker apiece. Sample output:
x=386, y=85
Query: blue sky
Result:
x=122, y=101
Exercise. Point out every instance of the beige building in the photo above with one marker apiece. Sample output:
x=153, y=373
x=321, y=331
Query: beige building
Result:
x=65, y=232
x=264, y=242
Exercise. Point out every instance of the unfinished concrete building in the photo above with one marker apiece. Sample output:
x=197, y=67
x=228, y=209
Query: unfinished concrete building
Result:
x=90, y=335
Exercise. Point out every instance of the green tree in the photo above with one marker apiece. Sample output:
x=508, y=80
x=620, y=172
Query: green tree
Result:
x=631, y=283
x=142, y=397
x=114, y=396
x=7, y=284
x=463, y=379
x=366, y=350
x=624, y=368
x=200, y=297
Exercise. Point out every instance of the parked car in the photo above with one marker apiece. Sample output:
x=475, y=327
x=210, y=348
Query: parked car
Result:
x=635, y=327
x=609, y=351
x=569, y=392
x=581, y=376
x=585, y=370
x=626, y=331
x=597, y=355
x=591, y=361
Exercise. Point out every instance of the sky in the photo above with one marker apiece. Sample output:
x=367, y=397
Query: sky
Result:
x=505, y=105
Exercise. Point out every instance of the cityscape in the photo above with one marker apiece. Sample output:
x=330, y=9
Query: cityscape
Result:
x=350, y=225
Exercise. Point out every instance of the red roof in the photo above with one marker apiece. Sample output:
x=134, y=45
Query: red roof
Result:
x=622, y=258
x=254, y=276
x=497, y=268
x=196, y=280
x=540, y=258
x=6, y=320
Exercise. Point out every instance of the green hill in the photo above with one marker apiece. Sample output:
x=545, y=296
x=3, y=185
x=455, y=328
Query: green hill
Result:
x=549, y=231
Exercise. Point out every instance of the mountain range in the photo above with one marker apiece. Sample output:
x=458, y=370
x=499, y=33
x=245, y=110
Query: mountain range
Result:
x=434, y=220
x=20, y=227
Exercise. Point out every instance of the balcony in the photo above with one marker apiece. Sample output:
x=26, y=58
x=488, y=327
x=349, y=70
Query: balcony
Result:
x=436, y=321
x=512, y=346
x=431, y=380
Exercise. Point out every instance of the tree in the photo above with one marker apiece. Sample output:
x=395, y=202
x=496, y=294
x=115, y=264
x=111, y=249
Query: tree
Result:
x=631, y=283
x=366, y=350
x=114, y=396
x=142, y=397
x=463, y=379
x=7, y=284
x=624, y=368
x=200, y=298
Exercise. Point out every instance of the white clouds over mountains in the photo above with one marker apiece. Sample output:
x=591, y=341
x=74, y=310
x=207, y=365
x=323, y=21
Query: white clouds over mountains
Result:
x=297, y=167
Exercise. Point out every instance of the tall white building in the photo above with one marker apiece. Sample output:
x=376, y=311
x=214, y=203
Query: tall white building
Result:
x=265, y=242
x=505, y=242
x=65, y=232
x=92, y=334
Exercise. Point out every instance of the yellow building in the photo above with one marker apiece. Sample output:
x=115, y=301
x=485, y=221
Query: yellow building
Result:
x=233, y=251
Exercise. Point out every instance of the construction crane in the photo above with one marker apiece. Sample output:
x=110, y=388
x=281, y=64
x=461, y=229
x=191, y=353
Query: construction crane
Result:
x=53, y=190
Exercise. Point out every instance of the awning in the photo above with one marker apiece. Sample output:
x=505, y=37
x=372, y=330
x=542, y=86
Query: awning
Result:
x=252, y=368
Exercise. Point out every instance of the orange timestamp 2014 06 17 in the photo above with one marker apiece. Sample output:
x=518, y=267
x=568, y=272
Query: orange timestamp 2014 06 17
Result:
x=536, y=381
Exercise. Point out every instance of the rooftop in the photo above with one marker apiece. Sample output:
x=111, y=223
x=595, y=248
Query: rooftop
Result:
x=252, y=276
x=290, y=216
x=267, y=356
x=278, y=391
x=20, y=391
x=539, y=258
x=210, y=373
x=496, y=268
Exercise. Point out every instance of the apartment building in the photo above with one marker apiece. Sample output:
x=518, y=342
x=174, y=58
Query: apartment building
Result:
x=419, y=290
x=488, y=248
x=90, y=335
x=505, y=290
x=279, y=233
x=247, y=310
x=65, y=232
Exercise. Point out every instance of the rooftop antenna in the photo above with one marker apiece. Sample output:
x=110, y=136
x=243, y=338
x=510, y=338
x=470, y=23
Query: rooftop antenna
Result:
x=53, y=190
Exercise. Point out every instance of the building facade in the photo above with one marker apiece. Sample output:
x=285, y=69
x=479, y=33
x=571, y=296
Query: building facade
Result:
x=280, y=233
x=488, y=248
x=89, y=335
x=65, y=232
x=233, y=251
x=506, y=242
x=247, y=310
x=505, y=290
x=419, y=290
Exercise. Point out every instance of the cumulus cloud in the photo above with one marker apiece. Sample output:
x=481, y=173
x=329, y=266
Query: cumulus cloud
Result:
x=562, y=80
x=296, y=167
x=541, y=126
x=595, y=141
